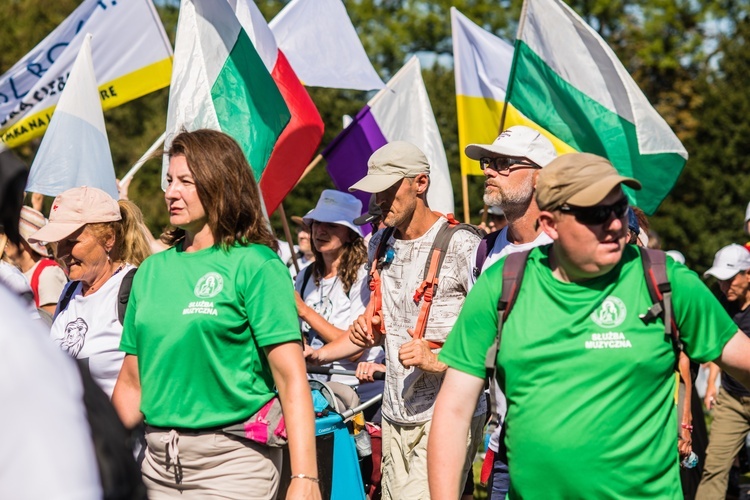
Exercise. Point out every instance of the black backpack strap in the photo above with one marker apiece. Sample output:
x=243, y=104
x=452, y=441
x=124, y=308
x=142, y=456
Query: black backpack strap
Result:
x=67, y=294
x=513, y=269
x=483, y=250
x=305, y=279
x=123, y=296
x=660, y=290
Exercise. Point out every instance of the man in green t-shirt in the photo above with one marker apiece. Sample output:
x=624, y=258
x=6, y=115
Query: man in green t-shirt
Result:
x=590, y=385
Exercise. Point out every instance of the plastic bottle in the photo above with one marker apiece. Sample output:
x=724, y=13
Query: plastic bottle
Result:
x=690, y=461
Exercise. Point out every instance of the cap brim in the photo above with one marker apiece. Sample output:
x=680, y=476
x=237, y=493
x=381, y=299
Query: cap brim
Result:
x=365, y=219
x=298, y=220
x=599, y=190
x=477, y=151
x=55, y=231
x=721, y=273
x=376, y=183
x=311, y=216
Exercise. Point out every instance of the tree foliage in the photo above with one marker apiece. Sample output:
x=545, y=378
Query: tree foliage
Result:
x=688, y=57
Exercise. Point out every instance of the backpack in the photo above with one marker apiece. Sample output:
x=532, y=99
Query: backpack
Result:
x=426, y=290
x=483, y=250
x=123, y=295
x=657, y=282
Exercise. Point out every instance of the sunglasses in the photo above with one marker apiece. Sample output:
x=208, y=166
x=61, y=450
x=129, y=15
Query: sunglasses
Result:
x=592, y=216
x=503, y=164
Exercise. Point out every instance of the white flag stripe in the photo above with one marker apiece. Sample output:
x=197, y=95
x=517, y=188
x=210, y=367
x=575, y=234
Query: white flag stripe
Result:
x=75, y=150
x=322, y=46
x=403, y=112
x=257, y=30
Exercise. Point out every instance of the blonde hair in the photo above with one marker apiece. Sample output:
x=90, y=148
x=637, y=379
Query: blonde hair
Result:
x=131, y=244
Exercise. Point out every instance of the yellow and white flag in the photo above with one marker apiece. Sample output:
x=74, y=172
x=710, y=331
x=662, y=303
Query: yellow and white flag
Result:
x=482, y=63
x=132, y=57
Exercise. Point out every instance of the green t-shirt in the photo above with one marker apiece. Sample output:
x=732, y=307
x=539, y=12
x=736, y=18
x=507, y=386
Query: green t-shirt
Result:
x=198, y=322
x=590, y=387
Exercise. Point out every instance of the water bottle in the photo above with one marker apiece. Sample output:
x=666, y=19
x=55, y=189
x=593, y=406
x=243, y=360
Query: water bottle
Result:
x=690, y=461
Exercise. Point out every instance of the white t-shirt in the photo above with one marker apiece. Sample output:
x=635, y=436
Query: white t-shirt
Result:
x=339, y=309
x=410, y=393
x=88, y=328
x=47, y=450
x=500, y=249
x=52, y=280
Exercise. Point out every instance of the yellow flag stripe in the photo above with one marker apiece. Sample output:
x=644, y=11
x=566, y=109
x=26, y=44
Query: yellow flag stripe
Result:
x=479, y=123
x=114, y=93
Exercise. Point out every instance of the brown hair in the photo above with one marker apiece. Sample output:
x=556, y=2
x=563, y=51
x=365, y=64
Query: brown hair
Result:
x=131, y=244
x=226, y=188
x=353, y=256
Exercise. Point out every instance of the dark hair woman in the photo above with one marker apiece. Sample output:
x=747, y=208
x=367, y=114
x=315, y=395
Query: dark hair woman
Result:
x=211, y=328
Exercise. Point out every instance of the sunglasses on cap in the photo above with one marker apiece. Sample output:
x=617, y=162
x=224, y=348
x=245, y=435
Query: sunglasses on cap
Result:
x=503, y=164
x=599, y=214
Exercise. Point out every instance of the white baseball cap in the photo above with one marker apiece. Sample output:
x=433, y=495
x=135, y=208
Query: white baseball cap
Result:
x=336, y=207
x=517, y=142
x=729, y=261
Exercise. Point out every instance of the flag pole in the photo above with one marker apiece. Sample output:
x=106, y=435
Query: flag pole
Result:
x=288, y=236
x=146, y=156
x=465, y=192
x=307, y=170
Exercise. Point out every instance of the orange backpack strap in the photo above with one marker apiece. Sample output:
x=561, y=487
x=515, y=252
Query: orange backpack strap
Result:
x=375, y=307
x=428, y=288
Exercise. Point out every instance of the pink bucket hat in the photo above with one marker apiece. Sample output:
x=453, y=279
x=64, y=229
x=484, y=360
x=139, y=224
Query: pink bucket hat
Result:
x=75, y=208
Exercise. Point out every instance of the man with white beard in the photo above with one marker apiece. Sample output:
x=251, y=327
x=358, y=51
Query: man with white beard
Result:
x=511, y=165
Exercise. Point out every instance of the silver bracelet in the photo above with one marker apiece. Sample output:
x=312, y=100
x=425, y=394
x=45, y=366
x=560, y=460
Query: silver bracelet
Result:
x=305, y=476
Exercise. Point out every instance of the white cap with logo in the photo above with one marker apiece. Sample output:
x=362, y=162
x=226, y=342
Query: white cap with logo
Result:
x=729, y=261
x=517, y=142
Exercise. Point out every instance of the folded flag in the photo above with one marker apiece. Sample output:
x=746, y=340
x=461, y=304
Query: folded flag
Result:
x=400, y=112
x=75, y=150
x=322, y=46
x=132, y=57
x=569, y=81
x=481, y=64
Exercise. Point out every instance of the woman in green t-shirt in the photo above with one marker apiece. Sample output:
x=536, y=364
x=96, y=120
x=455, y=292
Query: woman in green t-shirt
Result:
x=210, y=330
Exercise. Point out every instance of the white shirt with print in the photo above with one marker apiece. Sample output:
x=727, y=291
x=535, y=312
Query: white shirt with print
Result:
x=89, y=329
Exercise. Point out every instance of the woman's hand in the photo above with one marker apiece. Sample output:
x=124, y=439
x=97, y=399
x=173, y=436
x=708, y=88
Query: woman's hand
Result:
x=367, y=370
x=303, y=489
x=685, y=443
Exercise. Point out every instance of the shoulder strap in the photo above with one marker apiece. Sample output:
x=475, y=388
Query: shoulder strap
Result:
x=305, y=279
x=435, y=259
x=660, y=290
x=43, y=264
x=67, y=294
x=375, y=306
x=483, y=250
x=514, y=267
x=124, y=294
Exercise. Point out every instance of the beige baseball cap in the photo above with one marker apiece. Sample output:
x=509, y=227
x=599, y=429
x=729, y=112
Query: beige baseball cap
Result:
x=391, y=163
x=578, y=179
x=75, y=208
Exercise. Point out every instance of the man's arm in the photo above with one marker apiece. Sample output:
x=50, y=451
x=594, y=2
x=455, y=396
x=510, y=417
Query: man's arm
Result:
x=735, y=358
x=711, y=391
x=446, y=445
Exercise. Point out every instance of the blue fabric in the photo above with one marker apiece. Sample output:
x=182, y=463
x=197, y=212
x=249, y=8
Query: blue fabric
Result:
x=499, y=479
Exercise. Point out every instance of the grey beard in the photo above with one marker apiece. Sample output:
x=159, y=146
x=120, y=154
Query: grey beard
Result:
x=514, y=204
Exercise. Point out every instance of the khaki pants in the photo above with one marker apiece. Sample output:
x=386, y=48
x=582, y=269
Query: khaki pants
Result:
x=405, y=458
x=730, y=425
x=208, y=465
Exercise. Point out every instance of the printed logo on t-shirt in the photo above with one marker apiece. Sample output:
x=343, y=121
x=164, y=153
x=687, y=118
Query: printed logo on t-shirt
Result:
x=75, y=336
x=209, y=286
x=610, y=314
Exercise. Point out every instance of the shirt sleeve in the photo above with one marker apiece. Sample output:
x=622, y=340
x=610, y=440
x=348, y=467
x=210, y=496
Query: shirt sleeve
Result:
x=359, y=295
x=704, y=325
x=128, y=343
x=476, y=326
x=270, y=304
x=52, y=280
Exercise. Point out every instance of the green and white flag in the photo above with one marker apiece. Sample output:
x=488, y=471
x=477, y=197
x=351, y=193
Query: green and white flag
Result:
x=567, y=79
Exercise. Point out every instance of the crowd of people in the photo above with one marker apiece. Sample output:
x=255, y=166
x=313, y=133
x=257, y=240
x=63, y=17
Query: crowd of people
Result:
x=588, y=386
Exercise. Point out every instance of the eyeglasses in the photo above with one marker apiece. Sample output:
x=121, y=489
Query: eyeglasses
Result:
x=503, y=164
x=592, y=216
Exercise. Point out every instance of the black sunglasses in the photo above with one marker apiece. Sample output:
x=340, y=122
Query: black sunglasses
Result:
x=503, y=163
x=592, y=216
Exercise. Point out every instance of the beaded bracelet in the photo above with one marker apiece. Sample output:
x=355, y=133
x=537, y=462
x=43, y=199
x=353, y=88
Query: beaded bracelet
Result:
x=305, y=476
x=688, y=427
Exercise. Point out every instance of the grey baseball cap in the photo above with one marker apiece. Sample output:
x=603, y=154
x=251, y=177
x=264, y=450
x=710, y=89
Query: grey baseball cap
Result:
x=391, y=163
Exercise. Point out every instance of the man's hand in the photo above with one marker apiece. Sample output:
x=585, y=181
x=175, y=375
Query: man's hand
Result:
x=710, y=399
x=366, y=371
x=418, y=354
x=360, y=335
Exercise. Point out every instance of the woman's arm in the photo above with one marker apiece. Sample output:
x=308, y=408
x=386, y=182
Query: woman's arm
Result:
x=685, y=444
x=126, y=397
x=289, y=374
x=446, y=447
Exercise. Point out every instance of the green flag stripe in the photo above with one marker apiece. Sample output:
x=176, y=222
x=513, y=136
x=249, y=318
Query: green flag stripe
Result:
x=544, y=97
x=248, y=103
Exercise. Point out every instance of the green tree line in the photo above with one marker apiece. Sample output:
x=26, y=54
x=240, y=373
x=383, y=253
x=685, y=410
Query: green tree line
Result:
x=691, y=58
